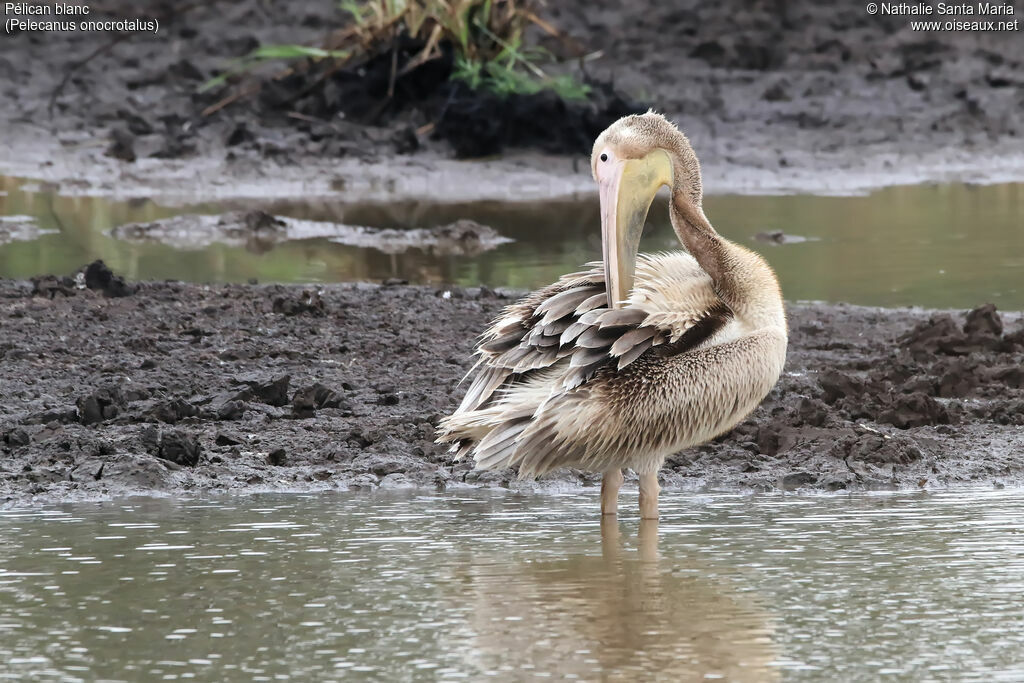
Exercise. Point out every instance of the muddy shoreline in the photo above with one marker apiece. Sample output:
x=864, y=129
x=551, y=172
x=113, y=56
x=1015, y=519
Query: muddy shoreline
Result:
x=178, y=388
x=172, y=388
x=777, y=97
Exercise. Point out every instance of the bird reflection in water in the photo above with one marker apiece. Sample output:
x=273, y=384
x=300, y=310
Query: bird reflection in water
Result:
x=622, y=615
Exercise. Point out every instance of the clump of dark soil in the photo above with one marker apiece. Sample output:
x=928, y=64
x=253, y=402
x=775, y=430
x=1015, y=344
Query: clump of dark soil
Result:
x=475, y=122
x=212, y=388
x=96, y=277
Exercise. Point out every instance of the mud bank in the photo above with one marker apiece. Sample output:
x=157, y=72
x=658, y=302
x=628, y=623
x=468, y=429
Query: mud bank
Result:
x=777, y=97
x=112, y=388
x=260, y=231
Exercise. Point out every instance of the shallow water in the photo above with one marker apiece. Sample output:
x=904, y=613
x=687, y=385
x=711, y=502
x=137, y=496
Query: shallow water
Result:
x=469, y=585
x=934, y=246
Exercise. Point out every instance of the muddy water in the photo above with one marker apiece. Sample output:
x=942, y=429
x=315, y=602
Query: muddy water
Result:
x=935, y=246
x=408, y=586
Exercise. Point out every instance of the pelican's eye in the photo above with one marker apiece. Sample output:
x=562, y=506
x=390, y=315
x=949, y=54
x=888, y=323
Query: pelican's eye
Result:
x=604, y=157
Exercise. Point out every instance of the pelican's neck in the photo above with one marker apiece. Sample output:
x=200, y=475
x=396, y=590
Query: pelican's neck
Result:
x=742, y=279
x=700, y=239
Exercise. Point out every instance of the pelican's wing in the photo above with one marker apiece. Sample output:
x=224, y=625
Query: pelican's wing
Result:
x=555, y=339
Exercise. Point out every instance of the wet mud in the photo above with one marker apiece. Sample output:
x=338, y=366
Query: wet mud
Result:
x=775, y=96
x=112, y=387
x=19, y=229
x=259, y=231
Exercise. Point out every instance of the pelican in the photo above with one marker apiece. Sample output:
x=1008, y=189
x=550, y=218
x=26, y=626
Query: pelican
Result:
x=637, y=357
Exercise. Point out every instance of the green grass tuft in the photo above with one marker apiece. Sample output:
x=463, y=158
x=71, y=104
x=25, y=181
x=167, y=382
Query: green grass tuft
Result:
x=486, y=36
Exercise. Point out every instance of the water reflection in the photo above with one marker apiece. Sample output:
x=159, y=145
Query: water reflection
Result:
x=941, y=246
x=623, y=615
x=475, y=585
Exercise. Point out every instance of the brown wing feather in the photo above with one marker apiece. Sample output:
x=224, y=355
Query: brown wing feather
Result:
x=559, y=337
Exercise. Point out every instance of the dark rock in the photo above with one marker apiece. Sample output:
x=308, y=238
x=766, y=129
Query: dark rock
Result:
x=984, y=321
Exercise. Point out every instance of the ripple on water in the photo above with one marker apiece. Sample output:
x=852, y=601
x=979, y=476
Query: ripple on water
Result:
x=420, y=587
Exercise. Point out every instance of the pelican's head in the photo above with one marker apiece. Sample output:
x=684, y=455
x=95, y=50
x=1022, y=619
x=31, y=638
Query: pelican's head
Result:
x=632, y=160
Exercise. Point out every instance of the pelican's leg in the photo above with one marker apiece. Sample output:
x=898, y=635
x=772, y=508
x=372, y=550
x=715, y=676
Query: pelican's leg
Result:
x=610, y=491
x=649, y=495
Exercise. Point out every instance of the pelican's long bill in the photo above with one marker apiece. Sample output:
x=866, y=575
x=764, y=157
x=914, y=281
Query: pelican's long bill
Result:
x=626, y=195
